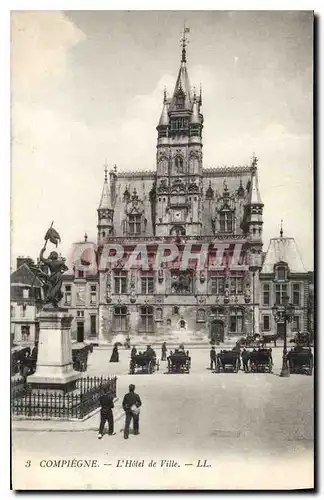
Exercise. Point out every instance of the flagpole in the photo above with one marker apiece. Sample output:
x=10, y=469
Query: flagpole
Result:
x=47, y=238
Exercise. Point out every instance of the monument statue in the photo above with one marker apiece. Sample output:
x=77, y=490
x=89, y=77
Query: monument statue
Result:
x=52, y=281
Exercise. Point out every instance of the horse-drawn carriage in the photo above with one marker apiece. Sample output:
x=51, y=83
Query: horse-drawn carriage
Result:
x=260, y=361
x=143, y=363
x=80, y=352
x=302, y=339
x=300, y=360
x=249, y=341
x=228, y=361
x=179, y=362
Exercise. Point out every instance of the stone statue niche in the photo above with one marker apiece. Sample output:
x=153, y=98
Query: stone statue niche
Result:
x=181, y=283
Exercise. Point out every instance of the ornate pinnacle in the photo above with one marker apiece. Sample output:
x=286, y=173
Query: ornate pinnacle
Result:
x=106, y=170
x=281, y=230
x=254, y=161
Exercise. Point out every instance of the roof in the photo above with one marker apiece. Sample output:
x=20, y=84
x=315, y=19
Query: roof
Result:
x=283, y=250
x=254, y=193
x=105, y=201
x=25, y=276
x=182, y=85
x=164, y=119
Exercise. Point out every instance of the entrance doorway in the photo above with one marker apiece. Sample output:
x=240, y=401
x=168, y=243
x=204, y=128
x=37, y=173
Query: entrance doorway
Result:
x=80, y=331
x=281, y=330
x=216, y=331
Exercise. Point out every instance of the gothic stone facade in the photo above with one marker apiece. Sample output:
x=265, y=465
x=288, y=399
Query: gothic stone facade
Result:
x=181, y=202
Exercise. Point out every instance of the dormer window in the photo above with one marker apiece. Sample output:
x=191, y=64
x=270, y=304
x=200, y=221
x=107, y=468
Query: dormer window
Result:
x=180, y=99
x=281, y=273
x=226, y=222
x=134, y=224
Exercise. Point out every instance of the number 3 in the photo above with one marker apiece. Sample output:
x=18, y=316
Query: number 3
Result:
x=28, y=463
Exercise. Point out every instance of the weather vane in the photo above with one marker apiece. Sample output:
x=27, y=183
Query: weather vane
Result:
x=184, y=42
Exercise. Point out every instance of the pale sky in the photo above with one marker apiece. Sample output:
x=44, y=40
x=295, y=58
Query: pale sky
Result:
x=88, y=86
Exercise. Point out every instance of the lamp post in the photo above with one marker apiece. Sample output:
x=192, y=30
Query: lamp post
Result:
x=254, y=270
x=284, y=313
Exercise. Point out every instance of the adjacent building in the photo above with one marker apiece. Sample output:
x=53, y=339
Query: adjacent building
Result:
x=26, y=296
x=283, y=274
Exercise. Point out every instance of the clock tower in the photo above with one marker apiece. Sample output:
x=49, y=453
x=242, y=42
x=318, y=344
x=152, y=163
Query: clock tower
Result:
x=179, y=159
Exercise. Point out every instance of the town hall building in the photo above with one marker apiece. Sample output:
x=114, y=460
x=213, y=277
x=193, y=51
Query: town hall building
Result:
x=181, y=202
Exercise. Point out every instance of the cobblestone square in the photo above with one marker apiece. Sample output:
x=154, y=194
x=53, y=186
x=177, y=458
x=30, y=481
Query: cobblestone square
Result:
x=255, y=430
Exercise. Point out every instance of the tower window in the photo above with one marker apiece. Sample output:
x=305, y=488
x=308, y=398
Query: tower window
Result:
x=179, y=164
x=179, y=124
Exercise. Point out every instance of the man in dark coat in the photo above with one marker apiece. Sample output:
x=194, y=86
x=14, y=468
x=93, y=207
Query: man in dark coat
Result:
x=133, y=352
x=106, y=413
x=212, y=358
x=164, y=351
x=131, y=405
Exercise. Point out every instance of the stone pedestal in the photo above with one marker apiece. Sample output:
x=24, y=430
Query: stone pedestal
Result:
x=54, y=369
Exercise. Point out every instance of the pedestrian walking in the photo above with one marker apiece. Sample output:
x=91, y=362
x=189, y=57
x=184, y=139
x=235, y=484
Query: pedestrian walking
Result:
x=114, y=358
x=131, y=406
x=106, y=413
x=164, y=351
x=212, y=358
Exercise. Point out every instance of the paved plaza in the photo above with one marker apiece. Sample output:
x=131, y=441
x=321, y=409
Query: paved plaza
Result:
x=254, y=430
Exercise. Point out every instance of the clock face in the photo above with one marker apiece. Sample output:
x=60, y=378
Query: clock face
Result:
x=178, y=215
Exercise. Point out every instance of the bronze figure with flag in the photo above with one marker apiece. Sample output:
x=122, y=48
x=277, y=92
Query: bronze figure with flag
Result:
x=52, y=235
x=56, y=266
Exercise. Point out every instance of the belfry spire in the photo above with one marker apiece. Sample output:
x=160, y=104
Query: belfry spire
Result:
x=182, y=93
